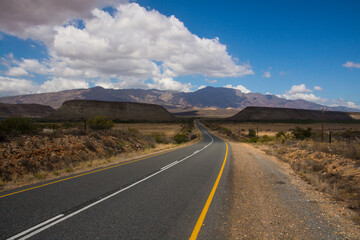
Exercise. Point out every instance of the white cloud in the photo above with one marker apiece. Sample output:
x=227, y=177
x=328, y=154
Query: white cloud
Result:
x=301, y=92
x=36, y=19
x=343, y=103
x=201, y=87
x=133, y=47
x=238, y=87
x=350, y=64
x=318, y=88
x=14, y=86
x=210, y=81
x=16, y=72
x=267, y=74
x=299, y=89
x=59, y=84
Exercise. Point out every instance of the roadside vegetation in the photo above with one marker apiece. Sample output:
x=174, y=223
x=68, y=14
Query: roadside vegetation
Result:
x=34, y=151
x=333, y=167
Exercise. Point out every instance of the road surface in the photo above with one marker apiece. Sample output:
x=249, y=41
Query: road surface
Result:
x=180, y=194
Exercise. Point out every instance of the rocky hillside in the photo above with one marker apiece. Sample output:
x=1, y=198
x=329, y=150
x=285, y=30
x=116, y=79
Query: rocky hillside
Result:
x=25, y=110
x=208, y=97
x=123, y=111
x=288, y=114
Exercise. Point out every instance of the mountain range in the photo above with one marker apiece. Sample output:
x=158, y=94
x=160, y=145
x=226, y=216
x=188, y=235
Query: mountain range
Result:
x=208, y=97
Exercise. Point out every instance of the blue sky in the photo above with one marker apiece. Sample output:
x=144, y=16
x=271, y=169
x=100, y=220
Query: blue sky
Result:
x=293, y=49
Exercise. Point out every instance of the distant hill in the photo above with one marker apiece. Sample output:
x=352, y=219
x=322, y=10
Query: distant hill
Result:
x=288, y=114
x=25, y=110
x=209, y=97
x=123, y=111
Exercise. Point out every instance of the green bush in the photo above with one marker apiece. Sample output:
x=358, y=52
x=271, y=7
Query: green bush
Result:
x=180, y=138
x=252, y=133
x=99, y=123
x=158, y=137
x=301, y=133
x=280, y=134
x=18, y=125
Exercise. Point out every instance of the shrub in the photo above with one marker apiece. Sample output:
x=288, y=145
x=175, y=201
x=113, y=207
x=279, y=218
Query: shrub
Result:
x=158, y=137
x=99, y=123
x=18, y=125
x=180, y=138
x=252, y=133
x=301, y=133
x=280, y=134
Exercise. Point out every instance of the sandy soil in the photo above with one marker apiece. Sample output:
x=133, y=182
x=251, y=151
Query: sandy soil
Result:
x=271, y=202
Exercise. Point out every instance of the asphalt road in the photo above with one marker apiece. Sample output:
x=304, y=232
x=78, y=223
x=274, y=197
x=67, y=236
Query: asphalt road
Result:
x=161, y=197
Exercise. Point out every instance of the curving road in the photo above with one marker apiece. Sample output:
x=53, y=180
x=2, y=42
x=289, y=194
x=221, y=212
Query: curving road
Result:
x=180, y=194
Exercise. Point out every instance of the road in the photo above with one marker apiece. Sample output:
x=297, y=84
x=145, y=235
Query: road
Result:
x=180, y=194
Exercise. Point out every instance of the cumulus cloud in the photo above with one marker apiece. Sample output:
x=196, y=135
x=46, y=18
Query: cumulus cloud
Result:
x=201, y=87
x=59, y=84
x=343, y=103
x=14, y=86
x=267, y=74
x=302, y=92
x=318, y=88
x=238, y=87
x=136, y=38
x=299, y=89
x=131, y=47
x=32, y=18
x=350, y=64
x=16, y=72
x=297, y=92
x=210, y=81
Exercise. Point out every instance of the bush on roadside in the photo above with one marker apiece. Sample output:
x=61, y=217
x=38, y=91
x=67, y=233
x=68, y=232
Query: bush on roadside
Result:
x=180, y=138
x=301, y=133
x=99, y=123
x=159, y=137
x=18, y=125
x=252, y=133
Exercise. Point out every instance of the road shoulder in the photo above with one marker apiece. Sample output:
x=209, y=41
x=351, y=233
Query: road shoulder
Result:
x=271, y=202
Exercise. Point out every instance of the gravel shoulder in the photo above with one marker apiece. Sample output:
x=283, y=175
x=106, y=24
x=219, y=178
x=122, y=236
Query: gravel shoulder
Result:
x=271, y=202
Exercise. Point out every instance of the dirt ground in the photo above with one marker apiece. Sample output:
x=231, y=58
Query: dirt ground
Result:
x=271, y=129
x=271, y=202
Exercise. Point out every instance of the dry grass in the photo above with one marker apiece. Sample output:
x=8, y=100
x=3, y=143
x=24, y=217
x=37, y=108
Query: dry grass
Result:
x=29, y=159
x=169, y=129
x=332, y=168
x=271, y=129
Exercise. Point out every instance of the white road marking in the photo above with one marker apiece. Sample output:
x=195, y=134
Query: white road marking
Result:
x=170, y=165
x=63, y=218
x=35, y=227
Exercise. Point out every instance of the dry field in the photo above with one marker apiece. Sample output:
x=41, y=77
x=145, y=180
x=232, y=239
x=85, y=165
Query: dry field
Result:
x=271, y=129
x=169, y=129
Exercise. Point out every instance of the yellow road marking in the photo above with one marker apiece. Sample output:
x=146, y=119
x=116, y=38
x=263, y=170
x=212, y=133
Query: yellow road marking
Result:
x=83, y=174
x=208, y=202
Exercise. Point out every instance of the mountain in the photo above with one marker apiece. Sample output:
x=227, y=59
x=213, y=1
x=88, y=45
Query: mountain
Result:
x=123, y=111
x=25, y=110
x=288, y=114
x=209, y=97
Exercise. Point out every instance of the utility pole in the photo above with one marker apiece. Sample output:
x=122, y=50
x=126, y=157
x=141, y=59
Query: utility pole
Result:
x=322, y=124
x=257, y=130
